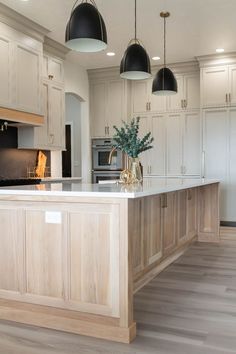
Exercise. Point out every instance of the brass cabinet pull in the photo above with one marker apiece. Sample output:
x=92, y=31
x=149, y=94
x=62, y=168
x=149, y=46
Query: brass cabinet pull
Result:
x=50, y=77
x=229, y=97
x=226, y=98
x=185, y=105
x=182, y=105
x=147, y=106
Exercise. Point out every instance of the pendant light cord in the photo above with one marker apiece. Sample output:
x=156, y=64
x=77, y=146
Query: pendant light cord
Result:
x=135, y=20
x=164, y=42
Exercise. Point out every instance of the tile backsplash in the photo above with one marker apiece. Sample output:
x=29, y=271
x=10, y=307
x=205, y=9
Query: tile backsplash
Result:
x=14, y=162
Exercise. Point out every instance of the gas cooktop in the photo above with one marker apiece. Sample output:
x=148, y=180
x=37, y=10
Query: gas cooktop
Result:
x=6, y=182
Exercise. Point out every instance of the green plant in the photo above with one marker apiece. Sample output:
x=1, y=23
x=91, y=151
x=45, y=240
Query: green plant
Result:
x=127, y=140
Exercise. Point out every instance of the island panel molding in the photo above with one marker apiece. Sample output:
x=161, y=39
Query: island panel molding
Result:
x=73, y=262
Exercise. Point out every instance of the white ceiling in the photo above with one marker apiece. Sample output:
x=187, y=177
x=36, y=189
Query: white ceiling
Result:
x=196, y=27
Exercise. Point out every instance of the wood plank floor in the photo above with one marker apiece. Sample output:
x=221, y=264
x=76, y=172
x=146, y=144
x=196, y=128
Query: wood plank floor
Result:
x=190, y=308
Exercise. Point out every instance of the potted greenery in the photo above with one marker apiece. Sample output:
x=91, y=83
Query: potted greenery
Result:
x=127, y=140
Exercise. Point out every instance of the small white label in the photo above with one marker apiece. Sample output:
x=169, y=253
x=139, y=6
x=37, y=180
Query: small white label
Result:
x=53, y=217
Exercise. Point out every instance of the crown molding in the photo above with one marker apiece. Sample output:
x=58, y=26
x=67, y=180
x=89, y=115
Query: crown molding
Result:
x=216, y=59
x=114, y=72
x=55, y=48
x=21, y=23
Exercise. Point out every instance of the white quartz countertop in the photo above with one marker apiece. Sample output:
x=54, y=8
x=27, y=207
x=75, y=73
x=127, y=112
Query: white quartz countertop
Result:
x=148, y=187
x=61, y=179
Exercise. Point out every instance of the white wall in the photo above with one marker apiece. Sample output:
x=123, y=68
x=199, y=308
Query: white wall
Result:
x=73, y=116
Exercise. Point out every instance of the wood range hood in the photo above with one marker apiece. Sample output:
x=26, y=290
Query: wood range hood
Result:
x=19, y=118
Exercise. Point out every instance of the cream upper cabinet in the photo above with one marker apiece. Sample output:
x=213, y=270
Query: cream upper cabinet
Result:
x=108, y=102
x=140, y=96
x=98, y=109
x=188, y=95
x=143, y=100
x=6, y=71
x=175, y=102
x=115, y=105
x=174, y=144
x=191, y=143
x=29, y=79
x=232, y=85
x=215, y=86
x=56, y=119
x=157, y=154
x=53, y=68
x=144, y=128
x=20, y=71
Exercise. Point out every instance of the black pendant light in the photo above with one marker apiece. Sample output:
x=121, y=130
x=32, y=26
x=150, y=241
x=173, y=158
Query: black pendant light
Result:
x=86, y=30
x=164, y=82
x=135, y=64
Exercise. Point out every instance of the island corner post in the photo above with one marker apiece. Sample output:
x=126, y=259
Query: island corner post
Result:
x=77, y=270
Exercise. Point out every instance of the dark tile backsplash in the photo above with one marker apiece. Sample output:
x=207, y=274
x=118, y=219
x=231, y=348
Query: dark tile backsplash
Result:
x=14, y=162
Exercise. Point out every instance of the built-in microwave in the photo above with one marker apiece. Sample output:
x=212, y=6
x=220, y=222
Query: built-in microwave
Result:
x=101, y=149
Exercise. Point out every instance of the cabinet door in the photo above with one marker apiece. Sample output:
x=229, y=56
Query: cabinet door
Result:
x=140, y=96
x=230, y=214
x=182, y=216
x=191, y=146
x=158, y=103
x=41, y=133
x=169, y=222
x=56, y=122
x=115, y=104
x=191, y=213
x=28, y=87
x=55, y=69
x=6, y=71
x=174, y=102
x=144, y=128
x=152, y=228
x=157, y=154
x=232, y=85
x=98, y=109
x=174, y=144
x=215, y=86
x=192, y=91
x=215, y=145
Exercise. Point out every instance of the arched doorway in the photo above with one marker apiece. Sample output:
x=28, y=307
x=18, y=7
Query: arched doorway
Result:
x=71, y=158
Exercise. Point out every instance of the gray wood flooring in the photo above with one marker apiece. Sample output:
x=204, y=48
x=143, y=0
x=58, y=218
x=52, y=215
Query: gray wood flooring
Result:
x=190, y=308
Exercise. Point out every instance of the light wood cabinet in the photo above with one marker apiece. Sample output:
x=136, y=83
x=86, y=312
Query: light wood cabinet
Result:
x=169, y=222
x=108, y=102
x=192, y=213
x=182, y=211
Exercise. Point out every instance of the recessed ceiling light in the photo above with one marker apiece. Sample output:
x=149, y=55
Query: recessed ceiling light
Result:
x=156, y=58
x=111, y=54
x=220, y=50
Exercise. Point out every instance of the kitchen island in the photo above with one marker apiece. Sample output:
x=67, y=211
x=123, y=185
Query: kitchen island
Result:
x=73, y=255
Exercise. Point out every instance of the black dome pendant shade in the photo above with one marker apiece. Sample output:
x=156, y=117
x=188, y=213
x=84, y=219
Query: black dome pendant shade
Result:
x=135, y=64
x=164, y=82
x=86, y=30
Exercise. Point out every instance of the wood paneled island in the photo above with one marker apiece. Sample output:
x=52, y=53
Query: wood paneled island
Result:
x=73, y=255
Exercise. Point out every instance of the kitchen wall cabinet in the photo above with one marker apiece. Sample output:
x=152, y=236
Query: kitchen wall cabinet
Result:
x=108, y=106
x=177, y=144
x=51, y=136
x=21, y=71
x=187, y=97
x=218, y=86
x=53, y=69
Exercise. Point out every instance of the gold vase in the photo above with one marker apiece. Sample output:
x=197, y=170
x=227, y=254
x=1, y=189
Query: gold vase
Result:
x=135, y=168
